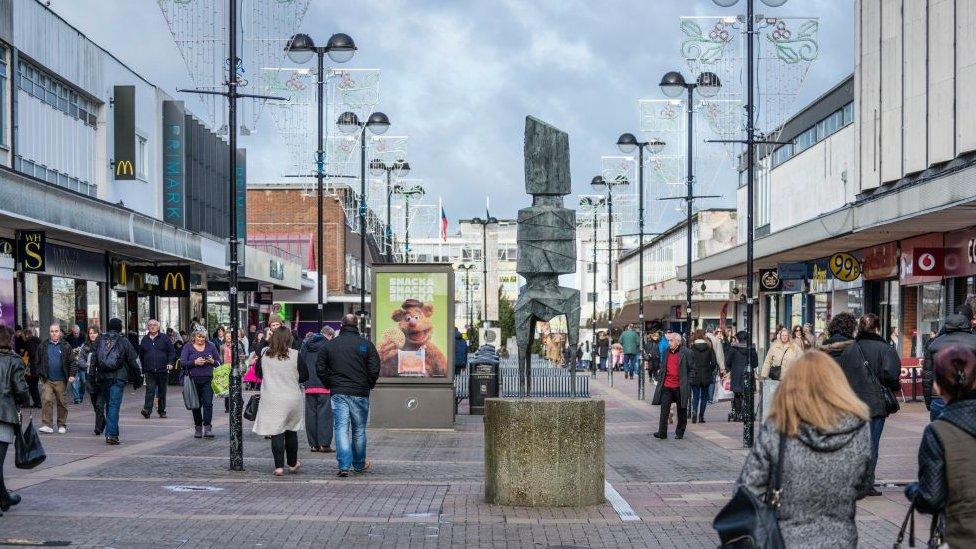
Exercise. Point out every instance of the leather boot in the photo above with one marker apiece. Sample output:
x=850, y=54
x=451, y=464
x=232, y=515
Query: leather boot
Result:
x=7, y=500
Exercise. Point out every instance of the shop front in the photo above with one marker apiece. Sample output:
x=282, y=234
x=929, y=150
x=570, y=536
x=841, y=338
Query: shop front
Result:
x=67, y=287
x=141, y=291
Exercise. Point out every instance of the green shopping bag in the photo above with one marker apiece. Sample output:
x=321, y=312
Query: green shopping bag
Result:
x=221, y=380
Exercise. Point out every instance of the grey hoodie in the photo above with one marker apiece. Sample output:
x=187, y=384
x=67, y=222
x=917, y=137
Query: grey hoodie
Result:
x=825, y=473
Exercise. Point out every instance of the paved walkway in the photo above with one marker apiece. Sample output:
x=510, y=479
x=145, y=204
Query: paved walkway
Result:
x=163, y=488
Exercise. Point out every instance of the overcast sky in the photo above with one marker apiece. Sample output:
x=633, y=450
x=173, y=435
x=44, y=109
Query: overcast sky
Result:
x=458, y=77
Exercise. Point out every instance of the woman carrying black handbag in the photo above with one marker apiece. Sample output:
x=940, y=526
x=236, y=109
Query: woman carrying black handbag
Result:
x=13, y=393
x=823, y=464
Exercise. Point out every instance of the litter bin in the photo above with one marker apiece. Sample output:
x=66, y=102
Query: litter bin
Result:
x=483, y=382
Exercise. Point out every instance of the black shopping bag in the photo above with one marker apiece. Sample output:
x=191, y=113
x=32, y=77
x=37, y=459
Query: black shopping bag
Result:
x=28, y=450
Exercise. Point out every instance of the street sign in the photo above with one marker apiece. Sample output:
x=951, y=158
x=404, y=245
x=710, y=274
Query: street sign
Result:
x=928, y=261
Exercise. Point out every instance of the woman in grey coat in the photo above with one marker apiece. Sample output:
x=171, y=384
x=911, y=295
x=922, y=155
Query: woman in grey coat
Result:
x=827, y=459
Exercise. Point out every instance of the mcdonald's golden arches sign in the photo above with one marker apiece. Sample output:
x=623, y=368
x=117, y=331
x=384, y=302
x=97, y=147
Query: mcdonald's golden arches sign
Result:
x=174, y=281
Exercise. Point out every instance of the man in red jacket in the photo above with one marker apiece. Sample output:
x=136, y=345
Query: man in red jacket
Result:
x=673, y=387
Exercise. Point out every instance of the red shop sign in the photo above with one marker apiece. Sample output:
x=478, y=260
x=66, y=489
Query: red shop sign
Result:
x=911, y=273
x=880, y=262
x=960, y=253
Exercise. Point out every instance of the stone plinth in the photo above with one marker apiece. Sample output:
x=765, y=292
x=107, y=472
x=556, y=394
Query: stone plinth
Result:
x=544, y=452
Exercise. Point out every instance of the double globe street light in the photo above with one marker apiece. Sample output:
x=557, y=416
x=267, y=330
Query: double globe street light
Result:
x=377, y=123
x=340, y=48
x=606, y=188
x=673, y=85
x=628, y=143
x=400, y=168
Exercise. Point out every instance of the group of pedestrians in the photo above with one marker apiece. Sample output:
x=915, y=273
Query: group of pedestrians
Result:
x=324, y=386
x=825, y=417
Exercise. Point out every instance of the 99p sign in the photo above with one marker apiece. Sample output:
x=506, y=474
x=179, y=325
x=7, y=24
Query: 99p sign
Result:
x=845, y=267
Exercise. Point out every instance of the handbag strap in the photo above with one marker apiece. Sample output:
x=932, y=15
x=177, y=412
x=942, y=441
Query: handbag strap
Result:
x=776, y=491
x=908, y=523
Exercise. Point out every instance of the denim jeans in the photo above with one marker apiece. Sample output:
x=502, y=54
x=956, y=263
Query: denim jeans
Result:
x=936, y=406
x=630, y=363
x=78, y=386
x=112, y=391
x=349, y=415
x=204, y=414
x=603, y=364
x=877, y=425
x=699, y=399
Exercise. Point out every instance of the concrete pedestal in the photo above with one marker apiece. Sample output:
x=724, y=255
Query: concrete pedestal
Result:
x=544, y=452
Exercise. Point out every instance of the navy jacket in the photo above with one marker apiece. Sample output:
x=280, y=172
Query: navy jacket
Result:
x=460, y=350
x=156, y=354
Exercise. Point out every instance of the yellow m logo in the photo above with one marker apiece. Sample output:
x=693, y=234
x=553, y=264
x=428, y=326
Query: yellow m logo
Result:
x=170, y=282
x=124, y=167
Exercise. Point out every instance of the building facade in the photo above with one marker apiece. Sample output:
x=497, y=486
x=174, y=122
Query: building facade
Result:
x=114, y=199
x=893, y=188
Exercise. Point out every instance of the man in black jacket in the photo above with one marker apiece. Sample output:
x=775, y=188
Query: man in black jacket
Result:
x=56, y=369
x=157, y=356
x=957, y=331
x=349, y=366
x=114, y=362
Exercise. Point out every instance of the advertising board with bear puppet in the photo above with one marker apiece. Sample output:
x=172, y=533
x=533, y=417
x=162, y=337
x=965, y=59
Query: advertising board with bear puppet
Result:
x=412, y=324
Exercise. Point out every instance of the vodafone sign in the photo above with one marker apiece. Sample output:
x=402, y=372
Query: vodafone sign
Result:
x=928, y=262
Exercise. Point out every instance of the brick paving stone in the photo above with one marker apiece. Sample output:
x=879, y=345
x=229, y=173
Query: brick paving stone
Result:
x=426, y=491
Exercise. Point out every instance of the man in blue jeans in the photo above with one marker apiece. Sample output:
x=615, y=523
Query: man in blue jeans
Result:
x=349, y=366
x=114, y=364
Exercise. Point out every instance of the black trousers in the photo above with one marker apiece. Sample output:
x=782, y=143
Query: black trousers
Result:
x=35, y=394
x=669, y=397
x=318, y=419
x=156, y=383
x=98, y=405
x=282, y=444
x=3, y=456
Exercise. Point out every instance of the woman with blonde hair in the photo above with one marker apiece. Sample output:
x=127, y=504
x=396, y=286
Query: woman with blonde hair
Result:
x=825, y=457
x=783, y=352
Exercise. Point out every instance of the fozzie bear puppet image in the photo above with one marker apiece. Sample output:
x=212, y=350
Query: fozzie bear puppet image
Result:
x=408, y=350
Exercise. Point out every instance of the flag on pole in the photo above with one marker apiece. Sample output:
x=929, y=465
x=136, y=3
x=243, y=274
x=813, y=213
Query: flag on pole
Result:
x=443, y=224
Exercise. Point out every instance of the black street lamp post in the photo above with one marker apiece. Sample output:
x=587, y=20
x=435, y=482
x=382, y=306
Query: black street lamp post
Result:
x=600, y=184
x=594, y=203
x=407, y=193
x=349, y=123
x=673, y=85
x=340, y=49
x=749, y=428
x=232, y=95
x=401, y=168
x=627, y=143
x=489, y=220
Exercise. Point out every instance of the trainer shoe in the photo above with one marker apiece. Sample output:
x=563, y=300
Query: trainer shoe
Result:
x=366, y=467
x=144, y=413
x=45, y=429
x=343, y=473
x=62, y=430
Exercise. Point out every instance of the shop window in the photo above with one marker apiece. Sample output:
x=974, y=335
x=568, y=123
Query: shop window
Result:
x=94, y=304
x=63, y=300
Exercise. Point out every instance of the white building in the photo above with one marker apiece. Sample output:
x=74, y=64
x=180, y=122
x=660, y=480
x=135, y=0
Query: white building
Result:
x=893, y=183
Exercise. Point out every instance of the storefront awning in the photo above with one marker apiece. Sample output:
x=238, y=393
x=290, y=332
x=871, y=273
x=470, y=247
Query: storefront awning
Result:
x=938, y=204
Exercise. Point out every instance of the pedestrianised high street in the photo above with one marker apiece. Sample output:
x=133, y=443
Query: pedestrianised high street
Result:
x=318, y=273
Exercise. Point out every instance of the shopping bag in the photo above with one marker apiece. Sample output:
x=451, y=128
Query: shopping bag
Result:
x=723, y=389
x=28, y=450
x=251, y=408
x=221, y=380
x=190, y=397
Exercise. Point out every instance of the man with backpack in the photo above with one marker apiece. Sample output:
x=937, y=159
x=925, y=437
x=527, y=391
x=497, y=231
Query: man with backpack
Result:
x=114, y=362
